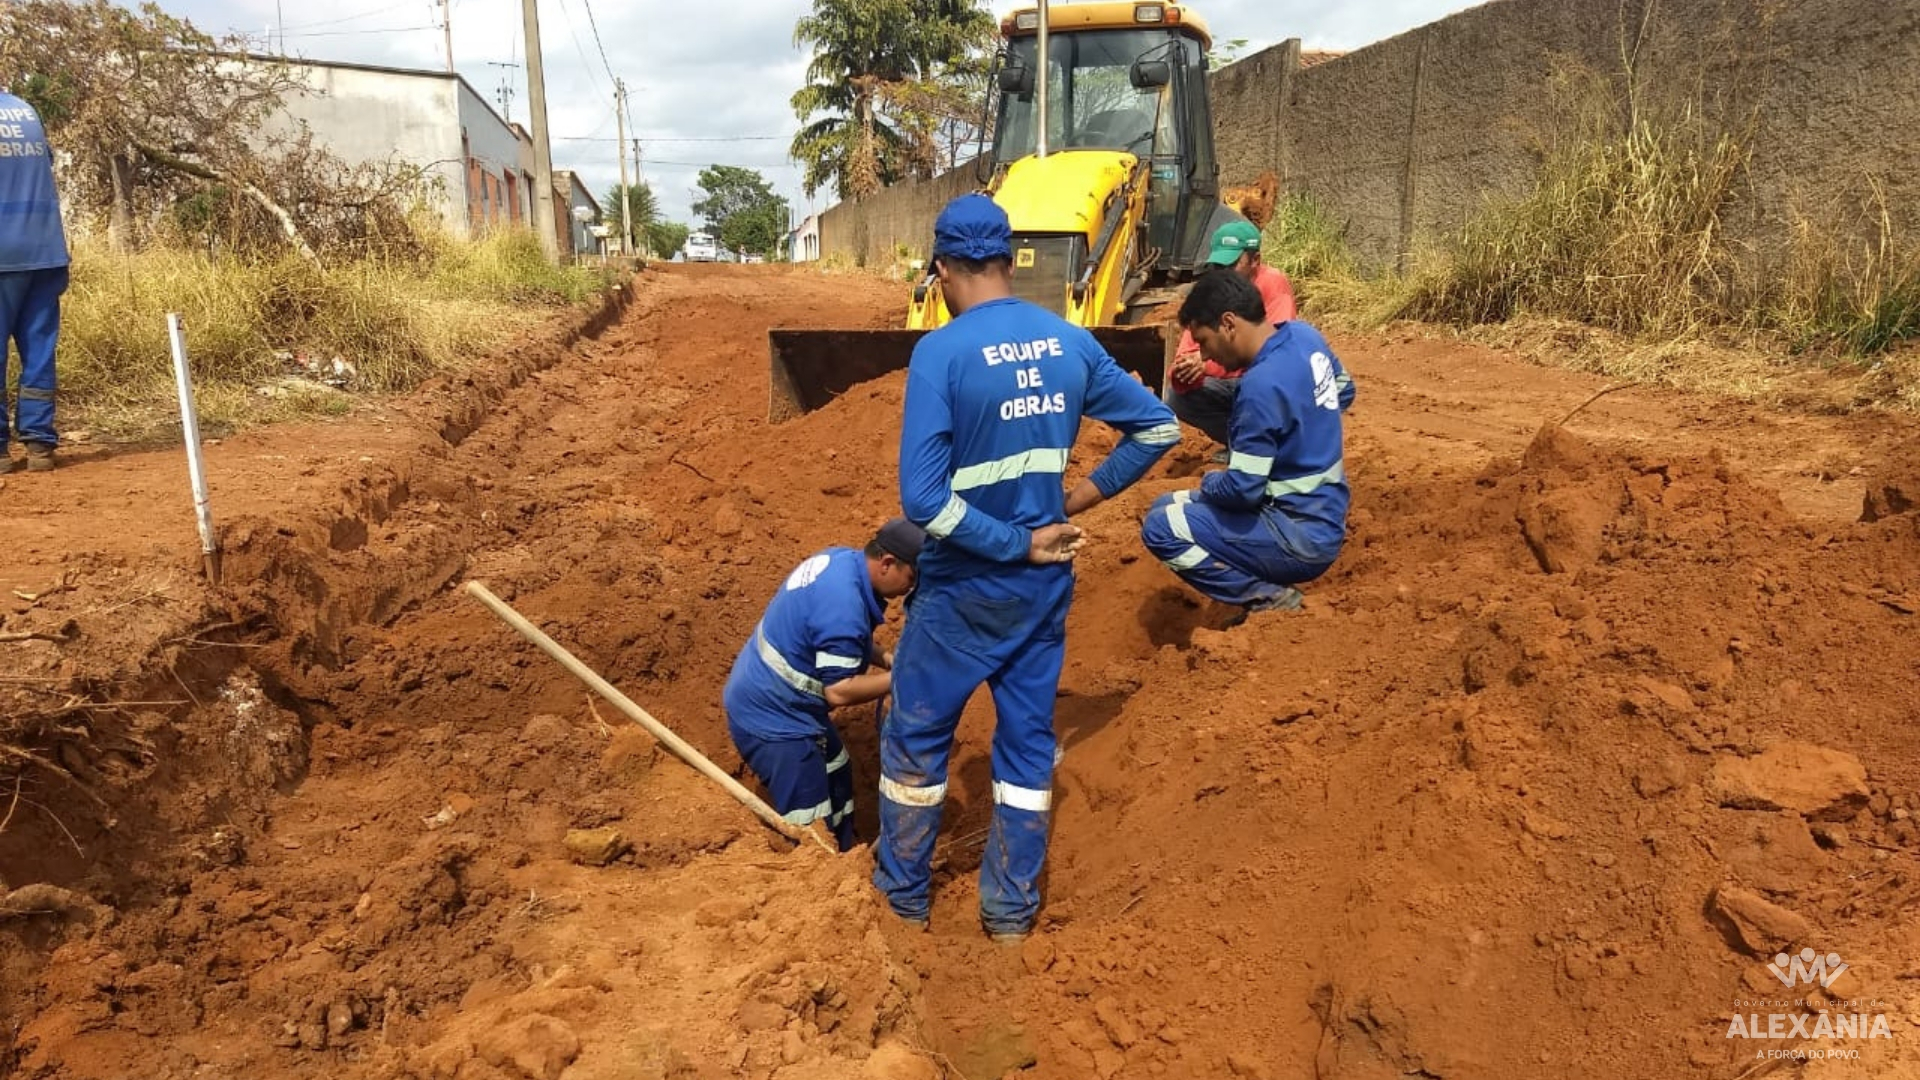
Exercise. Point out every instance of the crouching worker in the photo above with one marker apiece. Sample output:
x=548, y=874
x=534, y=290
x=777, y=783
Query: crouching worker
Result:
x=1277, y=515
x=810, y=654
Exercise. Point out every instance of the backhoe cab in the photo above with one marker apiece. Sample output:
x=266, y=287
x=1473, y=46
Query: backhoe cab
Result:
x=1103, y=159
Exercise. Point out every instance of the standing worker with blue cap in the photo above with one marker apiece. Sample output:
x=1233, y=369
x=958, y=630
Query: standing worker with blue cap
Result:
x=33, y=274
x=994, y=402
x=809, y=655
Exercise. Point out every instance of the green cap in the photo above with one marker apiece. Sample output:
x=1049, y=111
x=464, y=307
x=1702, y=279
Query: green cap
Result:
x=1232, y=240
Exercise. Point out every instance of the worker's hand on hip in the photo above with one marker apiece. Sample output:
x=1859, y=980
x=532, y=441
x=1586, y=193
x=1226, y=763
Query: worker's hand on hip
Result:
x=1055, y=544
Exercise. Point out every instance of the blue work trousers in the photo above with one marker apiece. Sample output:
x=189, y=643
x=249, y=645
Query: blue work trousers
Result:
x=806, y=779
x=1233, y=556
x=30, y=318
x=1008, y=630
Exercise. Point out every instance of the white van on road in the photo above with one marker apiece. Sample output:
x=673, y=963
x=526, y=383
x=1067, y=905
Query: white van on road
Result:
x=700, y=247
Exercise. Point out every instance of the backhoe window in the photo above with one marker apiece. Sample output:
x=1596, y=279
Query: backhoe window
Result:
x=1091, y=101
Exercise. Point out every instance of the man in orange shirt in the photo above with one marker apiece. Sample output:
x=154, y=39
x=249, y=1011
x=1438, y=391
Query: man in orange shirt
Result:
x=1200, y=391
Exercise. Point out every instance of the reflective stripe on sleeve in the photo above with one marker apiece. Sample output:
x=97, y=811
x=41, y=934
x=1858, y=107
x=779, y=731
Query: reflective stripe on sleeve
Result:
x=840, y=761
x=1250, y=463
x=948, y=519
x=1164, y=435
x=829, y=660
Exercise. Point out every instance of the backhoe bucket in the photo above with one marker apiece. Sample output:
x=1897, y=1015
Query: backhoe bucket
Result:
x=812, y=367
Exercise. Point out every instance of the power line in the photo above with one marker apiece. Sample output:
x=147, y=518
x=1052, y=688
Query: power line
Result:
x=586, y=63
x=711, y=164
x=596, y=37
x=350, y=33
x=338, y=21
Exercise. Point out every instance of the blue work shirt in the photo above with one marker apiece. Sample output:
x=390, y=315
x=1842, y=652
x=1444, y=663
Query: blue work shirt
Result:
x=817, y=631
x=31, y=236
x=1285, y=441
x=993, y=405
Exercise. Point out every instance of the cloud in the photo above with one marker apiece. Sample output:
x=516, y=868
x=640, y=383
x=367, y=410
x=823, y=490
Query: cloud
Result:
x=709, y=82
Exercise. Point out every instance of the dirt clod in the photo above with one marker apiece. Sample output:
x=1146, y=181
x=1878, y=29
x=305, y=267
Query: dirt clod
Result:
x=1753, y=924
x=1821, y=783
x=595, y=847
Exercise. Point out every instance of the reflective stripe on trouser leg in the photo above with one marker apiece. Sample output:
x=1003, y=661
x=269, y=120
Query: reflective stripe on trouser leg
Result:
x=839, y=788
x=32, y=306
x=1242, y=560
x=1023, y=761
x=931, y=684
x=800, y=783
x=1167, y=532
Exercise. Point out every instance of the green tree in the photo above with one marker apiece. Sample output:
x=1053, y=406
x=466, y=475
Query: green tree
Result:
x=881, y=84
x=740, y=208
x=666, y=237
x=164, y=124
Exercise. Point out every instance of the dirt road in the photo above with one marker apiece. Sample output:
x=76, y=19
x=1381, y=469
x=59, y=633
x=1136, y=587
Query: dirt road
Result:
x=1581, y=723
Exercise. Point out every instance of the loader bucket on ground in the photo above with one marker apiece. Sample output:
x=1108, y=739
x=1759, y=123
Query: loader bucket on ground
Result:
x=812, y=367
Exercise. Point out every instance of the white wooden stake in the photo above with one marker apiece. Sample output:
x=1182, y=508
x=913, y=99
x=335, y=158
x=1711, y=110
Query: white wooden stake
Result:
x=190, y=431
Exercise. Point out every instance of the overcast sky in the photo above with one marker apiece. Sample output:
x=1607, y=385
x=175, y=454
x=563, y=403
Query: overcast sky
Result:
x=709, y=80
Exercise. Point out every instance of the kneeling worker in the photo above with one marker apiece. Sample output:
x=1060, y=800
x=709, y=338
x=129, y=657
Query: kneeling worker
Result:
x=809, y=655
x=1200, y=390
x=1277, y=515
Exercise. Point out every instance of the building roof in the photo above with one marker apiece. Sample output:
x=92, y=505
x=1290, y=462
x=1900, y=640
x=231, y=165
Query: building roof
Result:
x=574, y=181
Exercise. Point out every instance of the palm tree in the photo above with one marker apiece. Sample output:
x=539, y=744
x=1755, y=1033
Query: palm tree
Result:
x=645, y=212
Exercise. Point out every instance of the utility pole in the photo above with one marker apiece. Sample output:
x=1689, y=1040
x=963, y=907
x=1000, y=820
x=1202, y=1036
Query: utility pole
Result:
x=542, y=152
x=626, y=192
x=636, y=172
x=446, y=26
x=504, y=93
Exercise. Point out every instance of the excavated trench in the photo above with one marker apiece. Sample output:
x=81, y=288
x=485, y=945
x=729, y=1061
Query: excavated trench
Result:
x=1499, y=799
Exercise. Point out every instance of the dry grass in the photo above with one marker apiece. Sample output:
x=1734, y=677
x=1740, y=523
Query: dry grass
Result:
x=396, y=323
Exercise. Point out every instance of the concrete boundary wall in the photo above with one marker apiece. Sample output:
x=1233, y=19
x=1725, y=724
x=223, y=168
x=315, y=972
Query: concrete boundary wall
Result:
x=1406, y=139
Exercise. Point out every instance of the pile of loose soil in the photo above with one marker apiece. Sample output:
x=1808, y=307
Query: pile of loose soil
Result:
x=1582, y=726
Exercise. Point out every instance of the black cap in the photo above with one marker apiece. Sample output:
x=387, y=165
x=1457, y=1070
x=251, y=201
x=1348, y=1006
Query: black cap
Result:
x=901, y=539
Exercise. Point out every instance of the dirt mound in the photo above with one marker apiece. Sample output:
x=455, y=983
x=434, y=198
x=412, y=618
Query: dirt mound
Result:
x=1894, y=486
x=1582, y=723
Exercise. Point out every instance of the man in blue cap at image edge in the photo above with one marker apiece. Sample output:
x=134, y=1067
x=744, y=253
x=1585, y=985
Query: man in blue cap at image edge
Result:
x=994, y=401
x=809, y=655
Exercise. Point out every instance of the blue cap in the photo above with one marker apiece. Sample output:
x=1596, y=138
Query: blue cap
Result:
x=973, y=227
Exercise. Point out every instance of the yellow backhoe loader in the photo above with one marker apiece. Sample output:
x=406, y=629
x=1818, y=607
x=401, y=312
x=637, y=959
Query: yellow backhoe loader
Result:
x=1103, y=159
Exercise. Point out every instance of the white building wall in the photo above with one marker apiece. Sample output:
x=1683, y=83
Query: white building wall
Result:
x=807, y=239
x=368, y=116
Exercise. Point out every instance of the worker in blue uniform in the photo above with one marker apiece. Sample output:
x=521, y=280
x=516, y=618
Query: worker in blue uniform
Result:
x=33, y=274
x=811, y=653
x=994, y=401
x=1277, y=515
